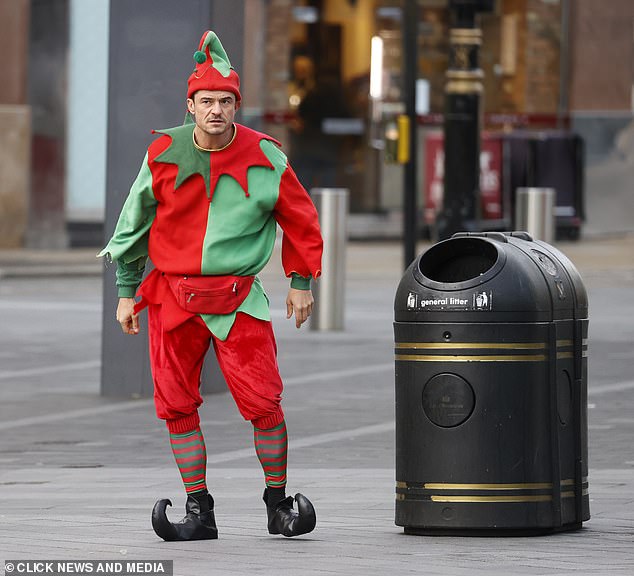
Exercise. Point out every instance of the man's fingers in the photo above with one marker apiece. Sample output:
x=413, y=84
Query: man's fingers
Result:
x=300, y=303
x=130, y=325
x=128, y=320
x=302, y=314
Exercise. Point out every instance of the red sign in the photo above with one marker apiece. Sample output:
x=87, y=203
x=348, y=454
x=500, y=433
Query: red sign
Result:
x=490, y=176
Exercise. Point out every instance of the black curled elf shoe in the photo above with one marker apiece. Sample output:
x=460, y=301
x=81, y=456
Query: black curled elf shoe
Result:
x=196, y=525
x=282, y=519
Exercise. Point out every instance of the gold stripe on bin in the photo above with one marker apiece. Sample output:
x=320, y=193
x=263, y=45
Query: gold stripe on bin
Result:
x=571, y=481
x=483, y=487
x=491, y=358
x=564, y=343
x=406, y=346
x=521, y=486
x=535, y=498
x=571, y=494
x=472, y=345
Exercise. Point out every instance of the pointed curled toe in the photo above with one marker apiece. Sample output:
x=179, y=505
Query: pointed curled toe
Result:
x=162, y=526
x=196, y=525
x=282, y=519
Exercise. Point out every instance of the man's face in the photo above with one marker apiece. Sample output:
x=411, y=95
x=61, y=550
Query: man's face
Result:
x=213, y=110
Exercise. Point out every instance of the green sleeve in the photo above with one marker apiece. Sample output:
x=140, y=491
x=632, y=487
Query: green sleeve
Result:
x=129, y=242
x=299, y=282
x=129, y=275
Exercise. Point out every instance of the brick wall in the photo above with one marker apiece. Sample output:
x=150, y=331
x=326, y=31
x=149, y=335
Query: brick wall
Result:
x=15, y=117
x=277, y=61
x=532, y=85
x=14, y=50
x=601, y=62
x=543, y=36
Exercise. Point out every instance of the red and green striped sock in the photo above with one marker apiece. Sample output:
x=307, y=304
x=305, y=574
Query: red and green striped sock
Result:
x=191, y=459
x=271, y=446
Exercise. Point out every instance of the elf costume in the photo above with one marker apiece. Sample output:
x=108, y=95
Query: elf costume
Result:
x=207, y=220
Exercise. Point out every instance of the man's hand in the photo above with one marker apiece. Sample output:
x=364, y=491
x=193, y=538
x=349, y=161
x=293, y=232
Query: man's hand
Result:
x=301, y=303
x=126, y=317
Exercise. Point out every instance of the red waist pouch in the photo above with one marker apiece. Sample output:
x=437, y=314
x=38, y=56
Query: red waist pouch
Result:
x=210, y=294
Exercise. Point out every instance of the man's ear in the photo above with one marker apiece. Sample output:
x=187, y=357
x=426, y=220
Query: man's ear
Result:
x=190, y=105
x=238, y=104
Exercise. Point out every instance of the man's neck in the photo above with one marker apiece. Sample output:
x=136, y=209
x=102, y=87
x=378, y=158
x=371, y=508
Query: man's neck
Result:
x=212, y=143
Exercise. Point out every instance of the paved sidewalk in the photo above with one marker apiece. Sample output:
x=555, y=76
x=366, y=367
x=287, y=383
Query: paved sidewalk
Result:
x=79, y=473
x=589, y=256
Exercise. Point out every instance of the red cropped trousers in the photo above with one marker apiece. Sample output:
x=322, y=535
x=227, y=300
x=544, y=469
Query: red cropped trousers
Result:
x=247, y=359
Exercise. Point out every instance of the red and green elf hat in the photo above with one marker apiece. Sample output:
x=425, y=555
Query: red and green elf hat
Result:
x=213, y=70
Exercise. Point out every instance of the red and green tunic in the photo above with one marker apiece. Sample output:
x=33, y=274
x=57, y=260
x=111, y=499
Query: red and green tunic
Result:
x=215, y=213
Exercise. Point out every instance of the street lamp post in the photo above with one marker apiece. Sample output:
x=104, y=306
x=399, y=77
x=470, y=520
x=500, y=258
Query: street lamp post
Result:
x=410, y=53
x=462, y=123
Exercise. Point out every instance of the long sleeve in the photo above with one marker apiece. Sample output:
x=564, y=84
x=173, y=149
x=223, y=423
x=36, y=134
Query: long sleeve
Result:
x=129, y=242
x=296, y=214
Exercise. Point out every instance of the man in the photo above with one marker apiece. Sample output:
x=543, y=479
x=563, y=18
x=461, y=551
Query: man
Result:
x=204, y=207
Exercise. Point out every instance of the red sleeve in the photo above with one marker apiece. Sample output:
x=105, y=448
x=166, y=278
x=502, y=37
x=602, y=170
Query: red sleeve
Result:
x=296, y=214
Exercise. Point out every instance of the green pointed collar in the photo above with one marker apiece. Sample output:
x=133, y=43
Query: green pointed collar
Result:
x=235, y=160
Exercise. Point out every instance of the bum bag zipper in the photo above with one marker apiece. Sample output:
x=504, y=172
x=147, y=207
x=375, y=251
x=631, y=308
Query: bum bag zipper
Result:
x=234, y=289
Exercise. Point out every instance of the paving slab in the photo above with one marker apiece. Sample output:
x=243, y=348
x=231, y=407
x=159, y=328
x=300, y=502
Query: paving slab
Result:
x=79, y=473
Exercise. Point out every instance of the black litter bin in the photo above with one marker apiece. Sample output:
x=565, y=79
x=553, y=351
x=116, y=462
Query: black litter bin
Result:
x=491, y=388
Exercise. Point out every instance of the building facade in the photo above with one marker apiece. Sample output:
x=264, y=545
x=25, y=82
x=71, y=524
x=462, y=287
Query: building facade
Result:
x=306, y=68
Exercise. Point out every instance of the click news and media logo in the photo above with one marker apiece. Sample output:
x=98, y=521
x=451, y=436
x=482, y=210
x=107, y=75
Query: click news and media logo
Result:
x=102, y=567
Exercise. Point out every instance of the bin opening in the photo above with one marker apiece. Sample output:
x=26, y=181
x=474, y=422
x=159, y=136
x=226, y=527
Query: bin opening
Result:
x=458, y=260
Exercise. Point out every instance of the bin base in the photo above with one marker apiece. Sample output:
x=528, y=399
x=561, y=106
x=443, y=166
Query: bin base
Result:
x=490, y=532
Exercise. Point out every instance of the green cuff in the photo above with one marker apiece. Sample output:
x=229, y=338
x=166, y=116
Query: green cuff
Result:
x=129, y=276
x=126, y=291
x=299, y=282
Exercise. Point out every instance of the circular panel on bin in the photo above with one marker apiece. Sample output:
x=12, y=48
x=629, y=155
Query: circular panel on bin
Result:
x=546, y=262
x=448, y=400
x=459, y=263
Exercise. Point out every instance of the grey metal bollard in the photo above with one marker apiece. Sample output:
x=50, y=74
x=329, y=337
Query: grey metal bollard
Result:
x=329, y=290
x=535, y=212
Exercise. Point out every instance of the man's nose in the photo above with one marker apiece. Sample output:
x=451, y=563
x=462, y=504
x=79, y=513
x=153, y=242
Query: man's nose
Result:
x=216, y=108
